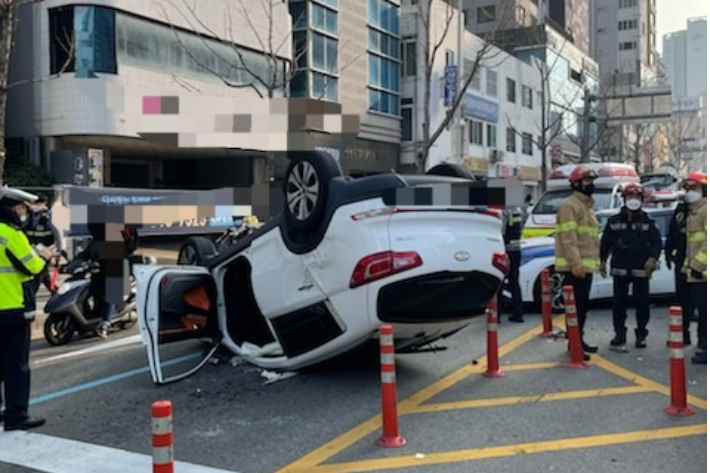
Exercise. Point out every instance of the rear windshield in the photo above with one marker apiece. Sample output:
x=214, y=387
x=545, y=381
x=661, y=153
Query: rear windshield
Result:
x=550, y=202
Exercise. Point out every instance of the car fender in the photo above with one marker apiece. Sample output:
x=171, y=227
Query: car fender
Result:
x=529, y=274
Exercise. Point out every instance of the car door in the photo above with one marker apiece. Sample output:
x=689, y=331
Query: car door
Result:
x=177, y=313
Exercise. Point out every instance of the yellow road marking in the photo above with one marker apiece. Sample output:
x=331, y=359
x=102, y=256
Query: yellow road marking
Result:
x=506, y=401
x=507, y=450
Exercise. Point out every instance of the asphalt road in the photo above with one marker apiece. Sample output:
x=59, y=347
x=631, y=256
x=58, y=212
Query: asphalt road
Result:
x=541, y=416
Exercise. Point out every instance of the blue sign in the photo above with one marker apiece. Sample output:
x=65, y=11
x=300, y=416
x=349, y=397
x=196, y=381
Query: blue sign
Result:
x=478, y=107
x=451, y=85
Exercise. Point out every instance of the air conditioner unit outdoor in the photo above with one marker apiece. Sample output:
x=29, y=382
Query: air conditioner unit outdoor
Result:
x=496, y=155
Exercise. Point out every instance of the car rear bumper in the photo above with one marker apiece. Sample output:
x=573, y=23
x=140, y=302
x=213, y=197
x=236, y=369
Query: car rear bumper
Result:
x=436, y=297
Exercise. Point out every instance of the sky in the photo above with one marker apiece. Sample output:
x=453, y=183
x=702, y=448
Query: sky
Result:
x=671, y=16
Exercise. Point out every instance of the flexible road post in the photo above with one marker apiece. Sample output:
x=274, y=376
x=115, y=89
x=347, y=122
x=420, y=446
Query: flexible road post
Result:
x=390, y=423
x=574, y=338
x=679, y=397
x=493, y=370
x=546, y=300
x=163, y=437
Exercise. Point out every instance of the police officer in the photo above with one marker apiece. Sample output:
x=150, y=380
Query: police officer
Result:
x=40, y=231
x=577, y=243
x=696, y=259
x=634, y=242
x=512, y=232
x=675, y=250
x=19, y=264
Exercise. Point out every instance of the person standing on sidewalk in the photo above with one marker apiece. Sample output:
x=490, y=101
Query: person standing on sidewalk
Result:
x=632, y=239
x=577, y=243
x=675, y=249
x=512, y=233
x=19, y=266
x=696, y=260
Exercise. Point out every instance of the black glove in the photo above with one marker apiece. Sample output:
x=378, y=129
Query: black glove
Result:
x=696, y=274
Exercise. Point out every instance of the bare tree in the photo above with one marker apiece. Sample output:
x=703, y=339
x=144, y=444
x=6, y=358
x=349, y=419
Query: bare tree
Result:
x=680, y=132
x=9, y=10
x=435, y=30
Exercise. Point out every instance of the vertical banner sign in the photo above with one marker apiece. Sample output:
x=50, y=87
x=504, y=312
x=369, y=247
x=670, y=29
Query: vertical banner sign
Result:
x=451, y=85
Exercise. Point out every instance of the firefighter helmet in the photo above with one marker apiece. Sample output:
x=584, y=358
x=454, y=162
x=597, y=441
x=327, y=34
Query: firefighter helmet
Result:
x=696, y=178
x=582, y=172
x=632, y=188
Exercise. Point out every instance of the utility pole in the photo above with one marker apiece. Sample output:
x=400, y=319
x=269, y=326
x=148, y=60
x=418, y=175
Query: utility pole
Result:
x=460, y=110
x=587, y=119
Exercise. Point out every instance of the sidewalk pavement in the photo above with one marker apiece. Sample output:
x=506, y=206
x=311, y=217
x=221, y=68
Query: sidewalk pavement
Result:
x=165, y=252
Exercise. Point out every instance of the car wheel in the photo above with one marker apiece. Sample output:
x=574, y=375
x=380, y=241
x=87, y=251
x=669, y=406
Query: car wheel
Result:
x=306, y=188
x=556, y=296
x=196, y=251
x=451, y=170
x=58, y=329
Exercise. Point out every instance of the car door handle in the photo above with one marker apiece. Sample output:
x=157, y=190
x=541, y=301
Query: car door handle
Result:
x=305, y=287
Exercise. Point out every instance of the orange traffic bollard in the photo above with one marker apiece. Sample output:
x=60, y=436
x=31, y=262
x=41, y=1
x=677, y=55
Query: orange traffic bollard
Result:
x=679, y=398
x=546, y=305
x=574, y=337
x=390, y=422
x=163, y=437
x=493, y=370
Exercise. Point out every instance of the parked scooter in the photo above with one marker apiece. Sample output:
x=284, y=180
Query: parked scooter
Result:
x=73, y=308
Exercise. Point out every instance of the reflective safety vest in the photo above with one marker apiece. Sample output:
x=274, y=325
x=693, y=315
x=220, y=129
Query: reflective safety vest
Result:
x=697, y=235
x=577, y=234
x=18, y=264
x=513, y=230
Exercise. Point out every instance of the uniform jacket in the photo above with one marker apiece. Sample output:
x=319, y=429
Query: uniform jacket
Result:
x=676, y=239
x=39, y=229
x=512, y=228
x=19, y=264
x=697, y=257
x=631, y=238
x=577, y=234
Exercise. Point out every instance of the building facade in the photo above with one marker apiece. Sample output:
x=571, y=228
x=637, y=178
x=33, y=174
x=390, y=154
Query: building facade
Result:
x=501, y=109
x=71, y=59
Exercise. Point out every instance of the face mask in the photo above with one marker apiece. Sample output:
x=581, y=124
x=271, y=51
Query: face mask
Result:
x=588, y=190
x=23, y=218
x=633, y=204
x=36, y=208
x=693, y=196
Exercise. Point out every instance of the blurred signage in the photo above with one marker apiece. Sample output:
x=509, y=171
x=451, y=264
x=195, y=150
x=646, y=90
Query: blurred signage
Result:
x=478, y=107
x=451, y=85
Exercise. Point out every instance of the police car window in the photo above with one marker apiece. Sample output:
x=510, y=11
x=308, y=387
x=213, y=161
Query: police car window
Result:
x=551, y=201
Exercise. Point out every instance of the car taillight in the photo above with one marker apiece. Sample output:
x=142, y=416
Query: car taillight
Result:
x=501, y=262
x=381, y=265
x=492, y=212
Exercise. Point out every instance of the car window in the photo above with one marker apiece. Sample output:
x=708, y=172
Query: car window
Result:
x=550, y=202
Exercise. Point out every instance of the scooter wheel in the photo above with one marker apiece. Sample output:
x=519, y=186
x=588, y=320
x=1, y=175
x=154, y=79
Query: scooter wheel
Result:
x=58, y=329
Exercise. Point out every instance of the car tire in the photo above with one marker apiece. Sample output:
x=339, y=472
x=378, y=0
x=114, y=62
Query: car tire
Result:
x=58, y=329
x=306, y=188
x=451, y=170
x=196, y=251
x=556, y=296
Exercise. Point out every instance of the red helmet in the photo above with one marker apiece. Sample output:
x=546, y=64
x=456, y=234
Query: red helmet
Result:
x=696, y=178
x=632, y=188
x=582, y=172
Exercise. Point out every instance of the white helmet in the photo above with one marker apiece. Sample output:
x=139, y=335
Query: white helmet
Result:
x=10, y=197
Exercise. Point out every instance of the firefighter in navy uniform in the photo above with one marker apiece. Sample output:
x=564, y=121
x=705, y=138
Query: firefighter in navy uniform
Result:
x=675, y=256
x=40, y=231
x=19, y=266
x=634, y=242
x=512, y=232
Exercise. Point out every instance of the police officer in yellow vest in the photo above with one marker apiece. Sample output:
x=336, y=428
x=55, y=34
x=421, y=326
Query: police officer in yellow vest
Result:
x=696, y=257
x=577, y=243
x=19, y=265
x=512, y=233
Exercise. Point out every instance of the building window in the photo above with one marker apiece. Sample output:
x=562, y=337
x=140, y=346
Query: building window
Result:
x=407, y=124
x=324, y=19
x=628, y=25
x=409, y=58
x=527, y=97
x=383, y=56
x=510, y=140
x=491, y=83
x=627, y=45
x=527, y=144
x=522, y=15
x=486, y=14
x=450, y=58
x=628, y=3
x=93, y=32
x=475, y=132
x=510, y=90
x=491, y=136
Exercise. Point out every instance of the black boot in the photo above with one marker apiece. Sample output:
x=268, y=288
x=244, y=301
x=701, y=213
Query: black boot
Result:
x=700, y=357
x=619, y=339
x=589, y=348
x=641, y=334
x=29, y=423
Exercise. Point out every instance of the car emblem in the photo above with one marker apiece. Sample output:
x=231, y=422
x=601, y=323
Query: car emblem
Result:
x=462, y=255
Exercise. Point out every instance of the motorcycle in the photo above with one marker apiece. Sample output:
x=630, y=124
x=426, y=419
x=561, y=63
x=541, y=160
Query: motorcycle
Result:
x=73, y=308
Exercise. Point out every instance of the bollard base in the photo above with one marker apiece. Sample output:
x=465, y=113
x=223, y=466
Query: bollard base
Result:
x=391, y=442
x=679, y=411
x=545, y=334
x=494, y=374
x=578, y=366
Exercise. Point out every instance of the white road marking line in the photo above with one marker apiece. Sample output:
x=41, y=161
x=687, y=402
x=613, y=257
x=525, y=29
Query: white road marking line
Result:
x=57, y=455
x=99, y=347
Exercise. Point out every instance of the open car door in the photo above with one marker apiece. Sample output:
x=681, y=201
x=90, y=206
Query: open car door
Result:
x=177, y=313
